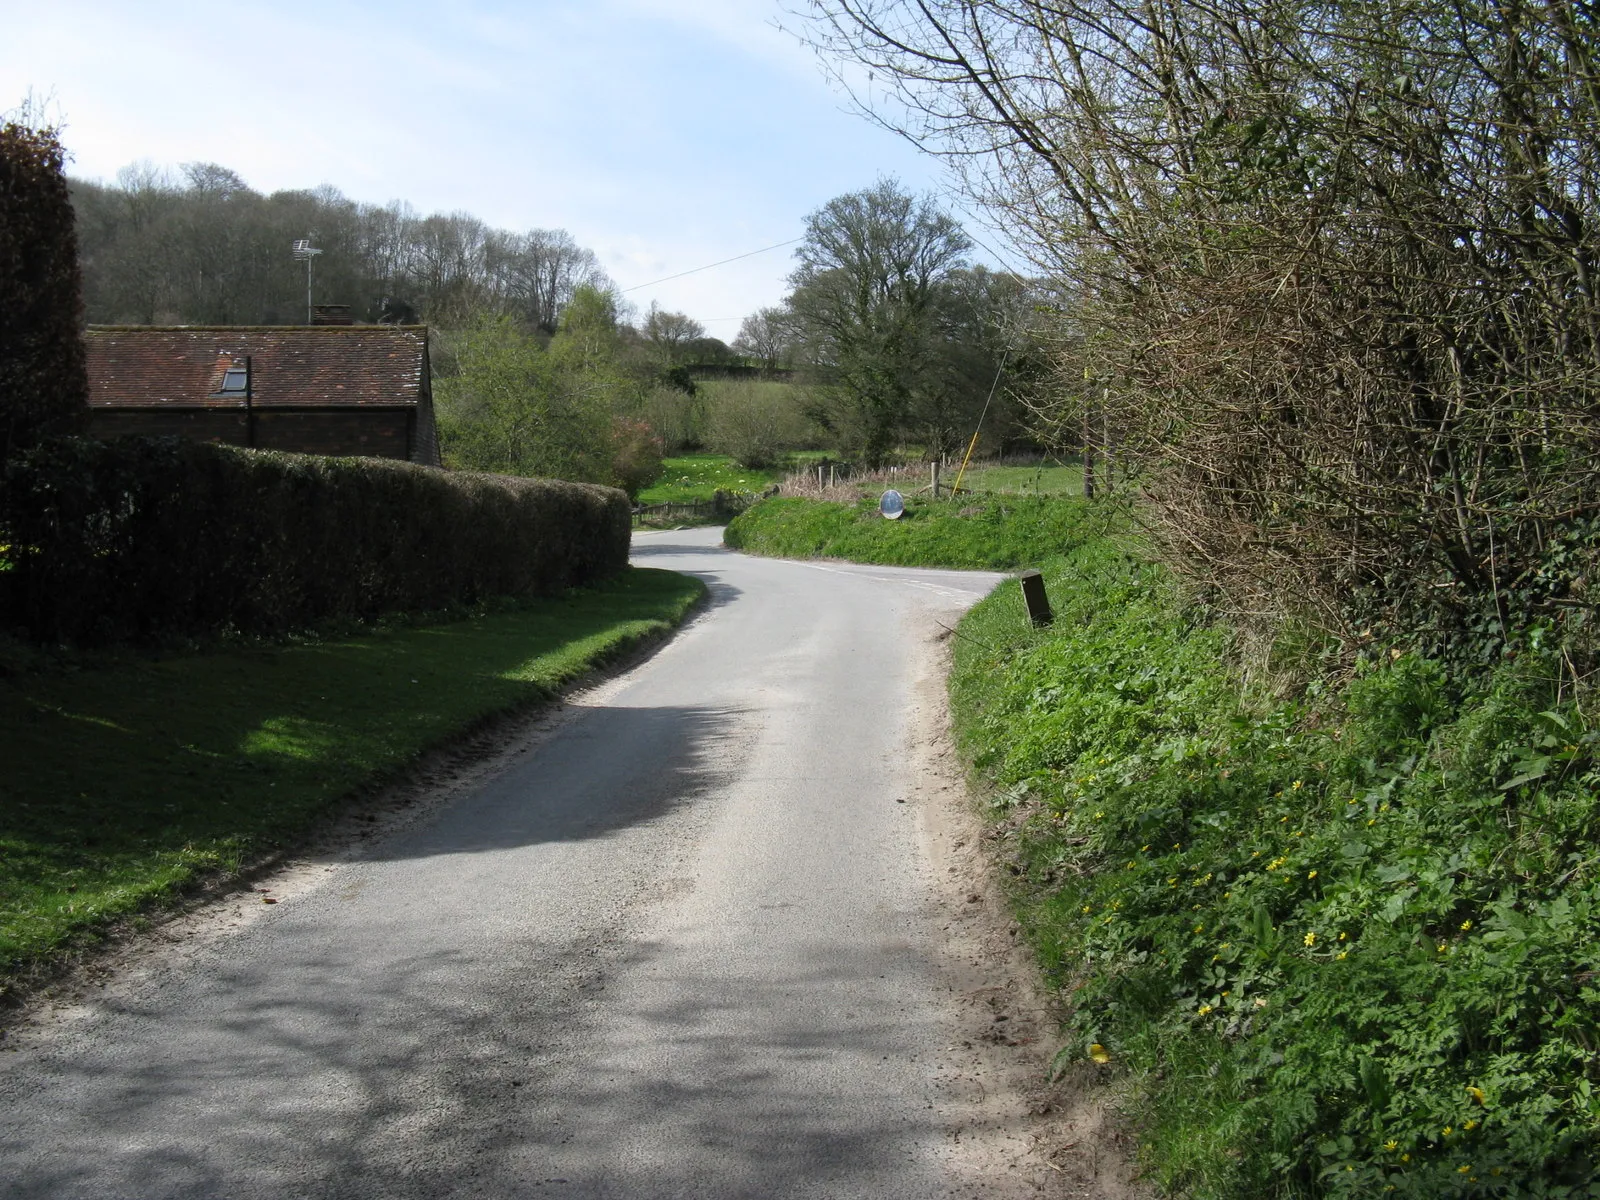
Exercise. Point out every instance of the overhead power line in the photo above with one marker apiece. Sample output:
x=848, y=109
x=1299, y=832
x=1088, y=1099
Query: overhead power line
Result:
x=708, y=266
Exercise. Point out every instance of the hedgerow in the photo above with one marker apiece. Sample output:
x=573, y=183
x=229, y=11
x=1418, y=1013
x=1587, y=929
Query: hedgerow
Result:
x=141, y=539
x=1343, y=944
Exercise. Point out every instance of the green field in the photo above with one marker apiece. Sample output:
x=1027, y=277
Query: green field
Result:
x=125, y=783
x=690, y=477
x=1044, y=479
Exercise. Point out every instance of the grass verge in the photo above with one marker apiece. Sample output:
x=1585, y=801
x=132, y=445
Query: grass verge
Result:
x=994, y=533
x=1342, y=944
x=128, y=782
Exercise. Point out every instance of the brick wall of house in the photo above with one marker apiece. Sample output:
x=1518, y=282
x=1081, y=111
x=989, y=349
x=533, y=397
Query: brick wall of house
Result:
x=377, y=433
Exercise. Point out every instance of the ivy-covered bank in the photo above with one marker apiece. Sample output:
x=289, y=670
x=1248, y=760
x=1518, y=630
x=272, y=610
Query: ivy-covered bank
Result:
x=1343, y=944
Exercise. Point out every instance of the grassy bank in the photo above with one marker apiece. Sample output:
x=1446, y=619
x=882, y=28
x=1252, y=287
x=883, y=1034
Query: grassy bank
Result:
x=127, y=782
x=1342, y=944
x=995, y=533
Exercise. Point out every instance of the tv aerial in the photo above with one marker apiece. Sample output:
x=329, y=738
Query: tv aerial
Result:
x=304, y=252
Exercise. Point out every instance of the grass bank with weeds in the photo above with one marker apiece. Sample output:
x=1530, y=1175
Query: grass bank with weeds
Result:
x=988, y=533
x=126, y=782
x=1342, y=944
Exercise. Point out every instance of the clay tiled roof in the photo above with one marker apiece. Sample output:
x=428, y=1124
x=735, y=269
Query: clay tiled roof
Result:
x=181, y=366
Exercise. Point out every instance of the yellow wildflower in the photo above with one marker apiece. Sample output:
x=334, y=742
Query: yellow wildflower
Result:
x=1297, y=785
x=1311, y=874
x=1342, y=955
x=1469, y=1126
x=1391, y=1145
x=1477, y=1094
x=1466, y=925
x=1311, y=939
x=1204, y=1009
x=1099, y=1053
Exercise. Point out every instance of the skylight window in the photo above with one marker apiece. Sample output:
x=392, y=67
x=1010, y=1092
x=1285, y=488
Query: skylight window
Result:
x=234, y=381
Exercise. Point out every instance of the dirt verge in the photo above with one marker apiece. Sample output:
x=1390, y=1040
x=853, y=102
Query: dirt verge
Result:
x=1012, y=1131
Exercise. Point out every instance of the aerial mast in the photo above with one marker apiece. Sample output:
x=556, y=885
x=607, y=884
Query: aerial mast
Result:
x=304, y=252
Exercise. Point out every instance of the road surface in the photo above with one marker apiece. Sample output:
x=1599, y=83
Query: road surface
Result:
x=685, y=941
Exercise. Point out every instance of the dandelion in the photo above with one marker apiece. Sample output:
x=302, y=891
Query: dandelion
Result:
x=1466, y=925
x=1391, y=1145
x=1444, y=948
x=1204, y=1009
x=1311, y=939
x=1447, y=1130
x=1311, y=874
x=1297, y=785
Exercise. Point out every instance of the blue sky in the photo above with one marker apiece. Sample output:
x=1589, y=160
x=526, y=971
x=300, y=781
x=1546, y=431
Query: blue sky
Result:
x=664, y=134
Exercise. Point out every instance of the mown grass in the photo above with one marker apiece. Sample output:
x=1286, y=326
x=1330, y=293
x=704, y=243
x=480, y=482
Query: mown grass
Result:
x=688, y=477
x=127, y=782
x=993, y=533
x=1041, y=479
x=1342, y=944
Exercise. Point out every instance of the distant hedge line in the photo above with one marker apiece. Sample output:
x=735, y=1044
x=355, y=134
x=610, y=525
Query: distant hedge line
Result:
x=145, y=538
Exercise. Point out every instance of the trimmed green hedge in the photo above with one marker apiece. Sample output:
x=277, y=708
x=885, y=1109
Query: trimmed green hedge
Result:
x=147, y=538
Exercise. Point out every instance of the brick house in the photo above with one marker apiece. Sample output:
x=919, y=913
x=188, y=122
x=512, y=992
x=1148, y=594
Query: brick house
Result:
x=319, y=389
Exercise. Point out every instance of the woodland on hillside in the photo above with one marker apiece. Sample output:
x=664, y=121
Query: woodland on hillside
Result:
x=890, y=336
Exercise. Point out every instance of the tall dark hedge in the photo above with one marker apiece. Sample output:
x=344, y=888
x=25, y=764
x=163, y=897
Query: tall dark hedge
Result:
x=43, y=386
x=148, y=538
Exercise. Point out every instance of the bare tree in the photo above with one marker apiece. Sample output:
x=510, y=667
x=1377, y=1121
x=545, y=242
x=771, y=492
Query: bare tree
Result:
x=1328, y=272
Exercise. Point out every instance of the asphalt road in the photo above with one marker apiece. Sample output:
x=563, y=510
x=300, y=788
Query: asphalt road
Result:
x=686, y=943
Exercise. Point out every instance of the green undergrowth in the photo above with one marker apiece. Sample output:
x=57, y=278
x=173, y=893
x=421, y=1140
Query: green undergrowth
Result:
x=993, y=532
x=1339, y=945
x=128, y=781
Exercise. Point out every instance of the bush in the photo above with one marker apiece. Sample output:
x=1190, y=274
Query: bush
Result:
x=150, y=538
x=754, y=421
x=44, y=389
